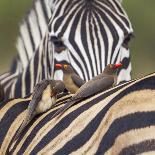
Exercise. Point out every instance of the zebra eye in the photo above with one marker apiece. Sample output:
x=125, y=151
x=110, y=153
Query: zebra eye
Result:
x=58, y=44
x=127, y=40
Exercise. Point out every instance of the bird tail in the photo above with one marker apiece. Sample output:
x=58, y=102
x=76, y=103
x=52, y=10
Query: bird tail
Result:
x=21, y=128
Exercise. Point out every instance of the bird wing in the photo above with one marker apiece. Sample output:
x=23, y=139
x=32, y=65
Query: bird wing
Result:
x=77, y=80
x=94, y=86
x=37, y=95
x=30, y=113
x=90, y=88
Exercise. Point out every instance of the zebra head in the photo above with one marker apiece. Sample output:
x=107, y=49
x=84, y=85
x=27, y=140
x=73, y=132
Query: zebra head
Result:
x=89, y=34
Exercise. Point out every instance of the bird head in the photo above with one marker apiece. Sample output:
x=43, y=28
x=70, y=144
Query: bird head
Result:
x=112, y=68
x=65, y=68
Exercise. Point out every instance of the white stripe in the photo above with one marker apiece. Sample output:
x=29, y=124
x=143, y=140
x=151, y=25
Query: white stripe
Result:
x=41, y=18
x=34, y=28
x=90, y=48
x=22, y=53
x=26, y=39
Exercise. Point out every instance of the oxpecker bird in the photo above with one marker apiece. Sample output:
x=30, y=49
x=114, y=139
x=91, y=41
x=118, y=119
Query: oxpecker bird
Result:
x=43, y=98
x=71, y=80
x=99, y=83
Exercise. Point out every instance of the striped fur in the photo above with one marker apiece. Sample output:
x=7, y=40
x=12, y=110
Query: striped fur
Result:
x=33, y=30
x=117, y=121
x=93, y=36
x=40, y=67
x=94, y=33
x=31, y=45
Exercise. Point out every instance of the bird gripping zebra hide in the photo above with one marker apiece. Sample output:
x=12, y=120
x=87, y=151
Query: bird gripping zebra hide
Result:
x=119, y=120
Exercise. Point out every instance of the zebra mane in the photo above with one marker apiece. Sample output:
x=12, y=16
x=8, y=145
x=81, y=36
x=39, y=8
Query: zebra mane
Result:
x=32, y=30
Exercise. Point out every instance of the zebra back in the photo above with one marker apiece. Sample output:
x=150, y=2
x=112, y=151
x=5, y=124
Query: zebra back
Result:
x=117, y=121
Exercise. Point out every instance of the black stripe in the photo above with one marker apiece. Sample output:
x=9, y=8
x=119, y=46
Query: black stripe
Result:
x=74, y=44
x=30, y=34
x=58, y=10
x=113, y=30
x=113, y=33
x=84, y=37
x=26, y=52
x=4, y=103
x=14, y=64
x=36, y=129
x=98, y=44
x=36, y=65
x=125, y=20
x=110, y=13
x=44, y=11
x=61, y=19
x=145, y=146
x=71, y=4
x=18, y=87
x=86, y=134
x=43, y=69
x=8, y=90
x=69, y=18
x=104, y=36
x=119, y=12
x=49, y=58
x=27, y=80
x=118, y=7
x=35, y=10
x=66, y=121
x=119, y=126
x=92, y=29
x=9, y=118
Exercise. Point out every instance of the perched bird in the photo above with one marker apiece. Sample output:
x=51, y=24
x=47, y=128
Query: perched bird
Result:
x=99, y=83
x=71, y=80
x=1, y=93
x=43, y=98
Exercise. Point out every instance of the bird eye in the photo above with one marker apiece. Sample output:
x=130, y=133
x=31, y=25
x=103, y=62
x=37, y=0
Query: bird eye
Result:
x=58, y=44
x=65, y=67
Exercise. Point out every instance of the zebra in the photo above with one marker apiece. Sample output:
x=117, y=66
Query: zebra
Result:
x=117, y=121
x=32, y=34
x=88, y=34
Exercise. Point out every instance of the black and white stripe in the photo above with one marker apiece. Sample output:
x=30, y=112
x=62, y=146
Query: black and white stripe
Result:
x=117, y=121
x=91, y=32
x=33, y=30
x=33, y=62
x=94, y=33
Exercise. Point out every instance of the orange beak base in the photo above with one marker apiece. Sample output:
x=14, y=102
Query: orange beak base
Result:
x=58, y=66
x=118, y=65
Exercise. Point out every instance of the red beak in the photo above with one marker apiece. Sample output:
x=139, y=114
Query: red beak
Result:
x=58, y=66
x=118, y=65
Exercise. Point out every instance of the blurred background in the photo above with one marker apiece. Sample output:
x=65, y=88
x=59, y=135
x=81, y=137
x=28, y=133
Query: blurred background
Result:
x=140, y=12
